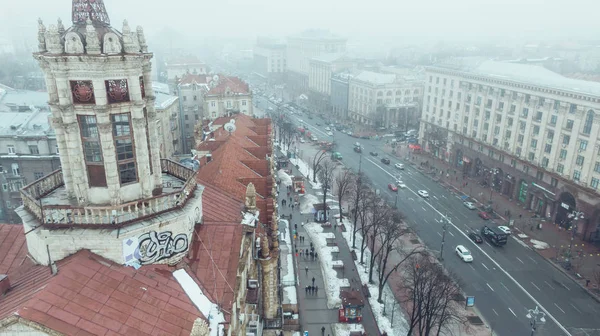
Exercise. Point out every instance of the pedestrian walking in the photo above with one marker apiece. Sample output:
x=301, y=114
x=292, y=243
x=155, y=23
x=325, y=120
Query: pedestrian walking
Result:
x=312, y=256
x=316, y=256
x=301, y=252
x=313, y=279
x=291, y=199
x=290, y=216
x=306, y=290
x=311, y=289
x=296, y=226
x=307, y=252
x=306, y=270
x=316, y=290
x=292, y=207
x=323, y=331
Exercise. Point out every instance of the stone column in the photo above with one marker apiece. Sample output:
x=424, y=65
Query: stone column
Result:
x=153, y=132
x=110, y=159
x=269, y=287
x=142, y=156
x=76, y=170
x=59, y=130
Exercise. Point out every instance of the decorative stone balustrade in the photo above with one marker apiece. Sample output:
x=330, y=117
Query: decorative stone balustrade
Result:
x=106, y=216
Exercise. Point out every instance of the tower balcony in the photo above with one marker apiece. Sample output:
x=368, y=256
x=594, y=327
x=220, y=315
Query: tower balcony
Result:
x=48, y=201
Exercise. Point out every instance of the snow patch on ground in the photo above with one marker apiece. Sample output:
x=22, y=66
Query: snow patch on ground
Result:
x=522, y=236
x=344, y=329
x=539, y=245
x=289, y=277
x=400, y=324
x=306, y=171
x=284, y=177
x=332, y=282
x=307, y=202
x=290, y=295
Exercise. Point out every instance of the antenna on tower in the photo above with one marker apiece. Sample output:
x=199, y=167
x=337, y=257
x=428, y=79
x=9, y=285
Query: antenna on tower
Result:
x=90, y=9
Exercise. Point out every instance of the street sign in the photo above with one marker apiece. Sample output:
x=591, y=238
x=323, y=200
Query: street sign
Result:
x=470, y=301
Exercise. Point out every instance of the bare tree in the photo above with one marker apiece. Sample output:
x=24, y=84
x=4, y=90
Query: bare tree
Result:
x=287, y=134
x=343, y=182
x=430, y=292
x=326, y=175
x=359, y=192
x=380, y=213
x=316, y=163
x=390, y=237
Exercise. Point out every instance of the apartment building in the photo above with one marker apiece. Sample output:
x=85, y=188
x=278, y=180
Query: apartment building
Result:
x=321, y=68
x=191, y=89
x=384, y=100
x=270, y=58
x=527, y=132
x=228, y=95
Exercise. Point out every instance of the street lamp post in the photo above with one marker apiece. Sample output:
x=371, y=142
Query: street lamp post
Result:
x=536, y=317
x=384, y=300
x=574, y=216
x=444, y=227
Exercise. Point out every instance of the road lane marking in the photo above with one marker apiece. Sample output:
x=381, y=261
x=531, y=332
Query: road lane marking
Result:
x=512, y=311
x=560, y=326
x=532, y=259
x=520, y=260
x=439, y=234
x=579, y=311
x=482, y=264
x=490, y=287
x=565, y=286
x=488, y=244
x=423, y=208
x=549, y=285
x=435, y=197
x=559, y=308
x=471, y=266
x=450, y=232
x=504, y=286
x=495, y=312
x=538, y=288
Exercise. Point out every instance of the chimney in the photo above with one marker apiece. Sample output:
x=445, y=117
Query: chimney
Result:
x=4, y=284
x=208, y=158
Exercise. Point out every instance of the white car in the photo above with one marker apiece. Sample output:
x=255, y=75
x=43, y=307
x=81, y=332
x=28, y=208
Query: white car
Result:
x=464, y=254
x=302, y=141
x=505, y=229
x=470, y=205
x=400, y=184
x=423, y=193
x=399, y=166
x=327, y=128
x=330, y=133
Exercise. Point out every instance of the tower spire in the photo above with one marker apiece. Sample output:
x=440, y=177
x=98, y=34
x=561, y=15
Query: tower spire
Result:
x=90, y=9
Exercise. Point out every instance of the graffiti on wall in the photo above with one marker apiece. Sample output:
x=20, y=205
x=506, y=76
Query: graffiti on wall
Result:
x=156, y=246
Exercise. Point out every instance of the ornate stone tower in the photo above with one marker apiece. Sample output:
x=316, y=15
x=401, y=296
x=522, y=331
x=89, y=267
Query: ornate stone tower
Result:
x=102, y=112
x=112, y=177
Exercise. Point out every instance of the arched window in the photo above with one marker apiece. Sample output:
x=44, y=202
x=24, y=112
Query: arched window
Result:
x=389, y=93
x=379, y=94
x=407, y=92
x=398, y=93
x=416, y=92
x=589, y=119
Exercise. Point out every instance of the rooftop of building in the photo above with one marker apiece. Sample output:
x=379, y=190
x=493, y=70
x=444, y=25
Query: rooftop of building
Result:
x=159, y=87
x=375, y=77
x=164, y=101
x=524, y=73
x=191, y=78
x=331, y=57
x=228, y=83
x=93, y=295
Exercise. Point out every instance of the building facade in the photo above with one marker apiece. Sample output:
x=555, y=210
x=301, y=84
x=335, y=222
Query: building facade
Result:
x=169, y=131
x=528, y=133
x=270, y=58
x=305, y=46
x=191, y=90
x=340, y=88
x=228, y=95
x=384, y=100
x=321, y=68
x=180, y=66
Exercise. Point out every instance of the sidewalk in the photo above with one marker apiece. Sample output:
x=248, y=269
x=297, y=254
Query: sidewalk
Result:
x=551, y=241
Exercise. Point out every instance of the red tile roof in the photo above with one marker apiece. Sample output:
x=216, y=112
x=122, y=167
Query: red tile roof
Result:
x=194, y=78
x=13, y=249
x=234, y=84
x=92, y=295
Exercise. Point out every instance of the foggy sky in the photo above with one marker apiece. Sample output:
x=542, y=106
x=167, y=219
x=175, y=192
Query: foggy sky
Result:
x=431, y=20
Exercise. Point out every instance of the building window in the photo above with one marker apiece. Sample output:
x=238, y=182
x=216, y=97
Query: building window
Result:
x=243, y=103
x=553, y=119
x=186, y=117
x=589, y=119
x=142, y=87
x=553, y=182
x=117, y=91
x=579, y=161
x=92, y=152
x=38, y=175
x=33, y=149
x=583, y=144
x=569, y=124
x=576, y=175
x=525, y=112
x=545, y=162
x=548, y=148
x=560, y=168
x=533, y=143
x=15, y=169
x=184, y=98
x=5, y=187
x=531, y=156
x=539, y=175
x=82, y=92
x=123, y=136
x=213, y=104
x=538, y=116
x=56, y=148
x=563, y=154
x=11, y=149
x=597, y=167
x=566, y=139
x=594, y=183
x=536, y=129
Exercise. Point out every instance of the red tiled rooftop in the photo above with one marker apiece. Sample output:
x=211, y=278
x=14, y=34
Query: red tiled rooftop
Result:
x=194, y=78
x=13, y=249
x=234, y=84
x=91, y=295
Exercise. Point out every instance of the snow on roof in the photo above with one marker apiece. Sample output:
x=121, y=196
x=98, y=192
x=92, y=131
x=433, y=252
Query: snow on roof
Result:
x=250, y=219
x=160, y=87
x=524, y=73
x=376, y=78
x=31, y=123
x=163, y=101
x=201, y=301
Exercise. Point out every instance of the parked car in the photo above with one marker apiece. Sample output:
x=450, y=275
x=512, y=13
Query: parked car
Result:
x=393, y=187
x=464, y=254
x=373, y=153
x=470, y=205
x=400, y=184
x=399, y=166
x=475, y=237
x=385, y=161
x=330, y=133
x=318, y=124
x=302, y=140
x=484, y=215
x=423, y=193
x=327, y=128
x=505, y=229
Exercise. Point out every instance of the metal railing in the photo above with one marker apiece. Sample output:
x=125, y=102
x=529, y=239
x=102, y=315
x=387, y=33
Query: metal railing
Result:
x=111, y=215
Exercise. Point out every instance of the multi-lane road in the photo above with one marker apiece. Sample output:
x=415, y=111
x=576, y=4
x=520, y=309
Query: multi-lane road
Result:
x=506, y=281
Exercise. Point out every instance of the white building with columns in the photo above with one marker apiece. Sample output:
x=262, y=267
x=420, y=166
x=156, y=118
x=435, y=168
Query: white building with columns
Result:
x=114, y=195
x=527, y=132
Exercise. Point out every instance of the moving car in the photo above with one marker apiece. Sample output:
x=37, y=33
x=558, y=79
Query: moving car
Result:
x=318, y=124
x=385, y=161
x=463, y=253
x=393, y=187
x=373, y=153
x=327, y=128
x=423, y=193
x=484, y=215
x=330, y=133
x=399, y=166
x=470, y=205
x=505, y=229
x=302, y=140
x=494, y=235
x=400, y=184
x=475, y=237
x=358, y=149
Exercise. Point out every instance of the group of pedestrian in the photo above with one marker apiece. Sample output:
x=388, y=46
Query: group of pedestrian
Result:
x=312, y=290
x=309, y=255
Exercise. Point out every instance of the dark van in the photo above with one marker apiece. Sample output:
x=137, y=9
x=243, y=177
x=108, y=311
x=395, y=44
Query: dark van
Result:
x=494, y=235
